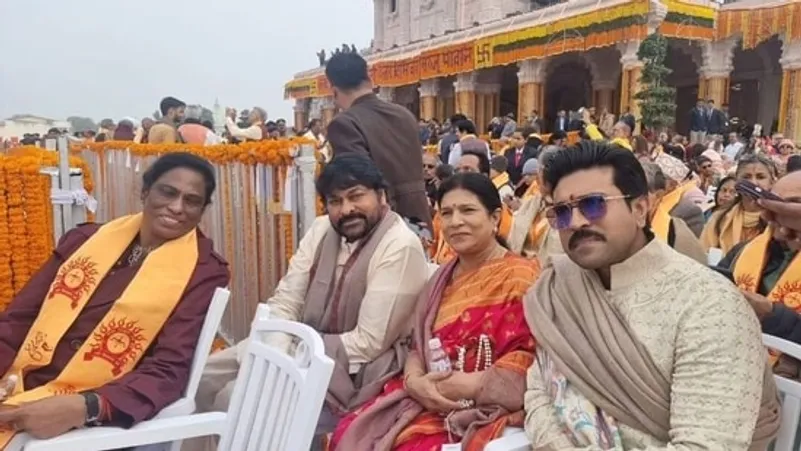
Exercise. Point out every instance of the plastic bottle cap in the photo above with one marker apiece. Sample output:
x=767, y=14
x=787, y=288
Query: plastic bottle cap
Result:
x=434, y=343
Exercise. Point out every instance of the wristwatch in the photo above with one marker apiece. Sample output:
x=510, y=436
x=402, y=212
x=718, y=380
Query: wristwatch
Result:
x=92, y=408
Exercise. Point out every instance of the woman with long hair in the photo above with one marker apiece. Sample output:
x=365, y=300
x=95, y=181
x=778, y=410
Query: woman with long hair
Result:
x=472, y=308
x=740, y=220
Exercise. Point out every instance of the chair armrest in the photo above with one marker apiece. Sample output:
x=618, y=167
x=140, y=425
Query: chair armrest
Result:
x=515, y=441
x=145, y=433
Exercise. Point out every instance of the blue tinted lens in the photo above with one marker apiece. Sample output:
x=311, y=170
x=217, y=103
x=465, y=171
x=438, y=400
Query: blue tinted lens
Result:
x=592, y=207
x=563, y=214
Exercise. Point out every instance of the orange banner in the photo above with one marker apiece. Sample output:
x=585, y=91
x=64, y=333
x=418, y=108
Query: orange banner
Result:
x=445, y=61
x=396, y=73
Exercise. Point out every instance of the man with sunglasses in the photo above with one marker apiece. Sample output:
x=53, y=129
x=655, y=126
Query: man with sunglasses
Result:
x=652, y=348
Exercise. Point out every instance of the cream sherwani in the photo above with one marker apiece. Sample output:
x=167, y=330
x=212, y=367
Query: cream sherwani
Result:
x=704, y=337
x=396, y=274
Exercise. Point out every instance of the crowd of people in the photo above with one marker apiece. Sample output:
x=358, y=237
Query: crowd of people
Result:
x=562, y=288
x=178, y=123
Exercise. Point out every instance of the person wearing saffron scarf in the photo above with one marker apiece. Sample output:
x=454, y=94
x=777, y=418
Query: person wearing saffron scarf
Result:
x=473, y=306
x=670, y=229
x=530, y=234
x=104, y=333
x=638, y=346
x=499, y=176
x=740, y=220
x=767, y=269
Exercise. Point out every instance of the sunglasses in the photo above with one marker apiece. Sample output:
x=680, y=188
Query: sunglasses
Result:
x=592, y=207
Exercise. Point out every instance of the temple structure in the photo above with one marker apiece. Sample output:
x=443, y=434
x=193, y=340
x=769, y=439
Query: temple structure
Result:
x=486, y=58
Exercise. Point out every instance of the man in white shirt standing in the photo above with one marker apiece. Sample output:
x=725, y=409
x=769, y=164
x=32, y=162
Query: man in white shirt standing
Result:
x=315, y=133
x=255, y=131
x=355, y=278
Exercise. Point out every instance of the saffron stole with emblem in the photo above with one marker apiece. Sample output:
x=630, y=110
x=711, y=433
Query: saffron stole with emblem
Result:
x=121, y=338
x=748, y=275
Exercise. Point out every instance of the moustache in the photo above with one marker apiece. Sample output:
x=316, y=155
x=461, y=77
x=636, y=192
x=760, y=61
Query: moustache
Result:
x=580, y=235
x=341, y=222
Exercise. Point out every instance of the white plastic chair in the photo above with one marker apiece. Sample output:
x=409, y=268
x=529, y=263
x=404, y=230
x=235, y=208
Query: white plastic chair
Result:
x=184, y=406
x=791, y=394
x=275, y=405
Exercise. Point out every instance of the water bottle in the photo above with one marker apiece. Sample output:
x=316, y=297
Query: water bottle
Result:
x=439, y=363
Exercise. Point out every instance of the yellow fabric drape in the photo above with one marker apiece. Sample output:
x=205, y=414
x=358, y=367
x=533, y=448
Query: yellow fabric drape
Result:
x=736, y=226
x=121, y=338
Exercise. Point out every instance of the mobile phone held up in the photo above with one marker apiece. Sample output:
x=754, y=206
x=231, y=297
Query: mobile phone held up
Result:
x=746, y=188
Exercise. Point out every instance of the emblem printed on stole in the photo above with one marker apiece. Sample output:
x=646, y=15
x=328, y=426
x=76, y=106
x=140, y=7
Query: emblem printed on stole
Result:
x=37, y=346
x=746, y=282
x=75, y=279
x=789, y=293
x=118, y=342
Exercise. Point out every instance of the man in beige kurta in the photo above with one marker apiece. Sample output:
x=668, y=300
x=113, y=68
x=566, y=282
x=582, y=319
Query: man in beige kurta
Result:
x=638, y=346
x=396, y=272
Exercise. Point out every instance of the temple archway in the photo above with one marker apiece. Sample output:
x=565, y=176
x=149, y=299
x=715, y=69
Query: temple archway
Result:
x=683, y=59
x=568, y=86
x=508, y=98
x=755, y=84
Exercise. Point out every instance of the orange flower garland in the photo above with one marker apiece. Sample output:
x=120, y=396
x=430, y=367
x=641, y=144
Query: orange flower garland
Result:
x=20, y=266
x=37, y=203
x=270, y=152
x=6, y=283
x=26, y=216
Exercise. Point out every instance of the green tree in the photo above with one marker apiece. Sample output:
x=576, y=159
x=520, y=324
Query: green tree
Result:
x=657, y=99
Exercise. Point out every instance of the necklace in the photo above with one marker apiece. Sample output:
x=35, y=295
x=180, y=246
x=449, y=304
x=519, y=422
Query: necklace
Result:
x=138, y=253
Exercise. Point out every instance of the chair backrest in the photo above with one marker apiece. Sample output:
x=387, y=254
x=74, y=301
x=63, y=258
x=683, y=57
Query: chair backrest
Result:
x=791, y=394
x=207, y=334
x=277, y=398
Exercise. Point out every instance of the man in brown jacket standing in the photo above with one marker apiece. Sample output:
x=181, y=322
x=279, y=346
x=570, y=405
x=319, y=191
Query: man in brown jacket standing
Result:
x=386, y=132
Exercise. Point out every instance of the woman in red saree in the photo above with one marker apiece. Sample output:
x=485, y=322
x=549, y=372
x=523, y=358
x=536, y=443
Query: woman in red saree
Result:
x=473, y=305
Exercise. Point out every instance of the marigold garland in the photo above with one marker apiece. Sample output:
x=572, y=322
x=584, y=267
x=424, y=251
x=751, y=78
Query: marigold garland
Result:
x=6, y=282
x=269, y=152
x=26, y=216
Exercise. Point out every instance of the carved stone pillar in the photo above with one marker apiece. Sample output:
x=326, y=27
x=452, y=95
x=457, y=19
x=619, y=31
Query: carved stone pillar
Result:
x=301, y=110
x=713, y=81
x=603, y=96
x=465, y=94
x=790, y=100
x=531, y=88
x=631, y=68
x=429, y=89
x=328, y=109
x=446, y=103
x=487, y=104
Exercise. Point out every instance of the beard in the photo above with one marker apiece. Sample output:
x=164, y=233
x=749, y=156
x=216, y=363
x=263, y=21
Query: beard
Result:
x=354, y=226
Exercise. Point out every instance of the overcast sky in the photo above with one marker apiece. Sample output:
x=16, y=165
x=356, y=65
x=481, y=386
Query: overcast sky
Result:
x=115, y=58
